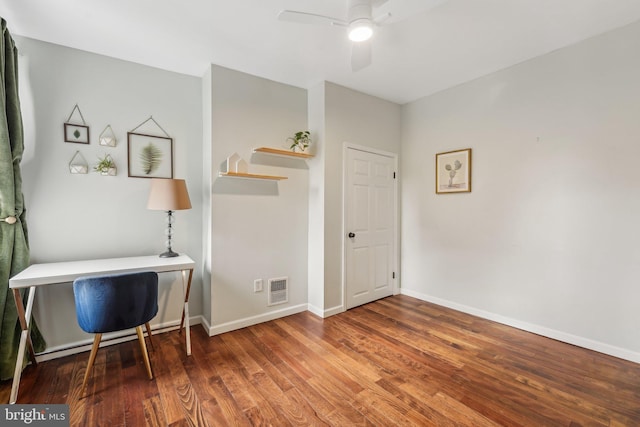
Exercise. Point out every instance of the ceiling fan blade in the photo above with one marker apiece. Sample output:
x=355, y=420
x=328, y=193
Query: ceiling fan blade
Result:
x=360, y=55
x=309, y=18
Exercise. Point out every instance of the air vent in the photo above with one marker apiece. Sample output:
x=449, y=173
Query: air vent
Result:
x=278, y=290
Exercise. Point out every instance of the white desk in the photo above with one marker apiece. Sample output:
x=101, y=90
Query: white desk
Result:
x=63, y=272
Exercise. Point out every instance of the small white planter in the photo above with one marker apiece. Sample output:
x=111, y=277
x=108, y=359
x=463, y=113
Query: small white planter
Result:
x=109, y=172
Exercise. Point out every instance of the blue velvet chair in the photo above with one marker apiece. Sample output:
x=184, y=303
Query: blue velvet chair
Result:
x=114, y=303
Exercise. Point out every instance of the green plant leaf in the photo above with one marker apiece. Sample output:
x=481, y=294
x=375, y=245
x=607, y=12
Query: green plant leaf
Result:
x=150, y=158
x=104, y=163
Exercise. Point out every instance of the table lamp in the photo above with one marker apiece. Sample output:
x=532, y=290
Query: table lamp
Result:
x=168, y=195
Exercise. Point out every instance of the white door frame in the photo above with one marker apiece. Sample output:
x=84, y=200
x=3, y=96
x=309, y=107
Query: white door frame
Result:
x=396, y=234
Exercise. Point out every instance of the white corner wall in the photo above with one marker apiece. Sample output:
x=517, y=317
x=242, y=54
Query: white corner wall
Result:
x=73, y=217
x=258, y=229
x=316, y=113
x=356, y=118
x=207, y=183
x=547, y=240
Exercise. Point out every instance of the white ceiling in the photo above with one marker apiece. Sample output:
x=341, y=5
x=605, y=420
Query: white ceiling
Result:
x=445, y=45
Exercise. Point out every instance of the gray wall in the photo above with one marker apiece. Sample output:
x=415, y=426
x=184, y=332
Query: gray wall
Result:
x=547, y=240
x=73, y=217
x=258, y=229
x=316, y=280
x=543, y=242
x=342, y=115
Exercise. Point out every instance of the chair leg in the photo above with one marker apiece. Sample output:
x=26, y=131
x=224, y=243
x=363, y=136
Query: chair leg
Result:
x=143, y=348
x=92, y=358
x=148, y=327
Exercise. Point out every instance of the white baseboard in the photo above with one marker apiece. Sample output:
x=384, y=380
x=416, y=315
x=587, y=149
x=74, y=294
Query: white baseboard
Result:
x=587, y=343
x=254, y=320
x=334, y=310
x=108, y=339
x=205, y=324
x=316, y=310
x=326, y=313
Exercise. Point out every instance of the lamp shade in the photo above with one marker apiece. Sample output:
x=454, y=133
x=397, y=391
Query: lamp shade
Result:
x=168, y=195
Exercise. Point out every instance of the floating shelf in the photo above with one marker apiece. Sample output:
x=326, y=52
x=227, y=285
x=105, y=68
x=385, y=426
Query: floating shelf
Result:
x=278, y=152
x=251, y=176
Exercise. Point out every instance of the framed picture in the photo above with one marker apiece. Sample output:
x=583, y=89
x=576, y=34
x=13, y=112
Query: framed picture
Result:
x=76, y=133
x=453, y=172
x=150, y=156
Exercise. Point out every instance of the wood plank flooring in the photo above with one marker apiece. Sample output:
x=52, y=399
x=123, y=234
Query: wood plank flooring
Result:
x=395, y=362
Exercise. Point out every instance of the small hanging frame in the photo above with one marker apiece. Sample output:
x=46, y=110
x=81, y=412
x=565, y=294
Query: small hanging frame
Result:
x=154, y=121
x=150, y=156
x=78, y=164
x=75, y=132
x=107, y=137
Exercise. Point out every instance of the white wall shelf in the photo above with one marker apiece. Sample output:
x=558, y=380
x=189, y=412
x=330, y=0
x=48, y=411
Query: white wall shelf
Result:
x=251, y=176
x=285, y=153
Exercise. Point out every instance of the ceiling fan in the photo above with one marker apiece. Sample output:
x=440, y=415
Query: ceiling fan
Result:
x=362, y=18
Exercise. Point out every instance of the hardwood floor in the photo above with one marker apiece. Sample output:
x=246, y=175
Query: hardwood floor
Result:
x=397, y=361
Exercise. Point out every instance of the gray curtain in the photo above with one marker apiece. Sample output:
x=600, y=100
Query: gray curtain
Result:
x=14, y=244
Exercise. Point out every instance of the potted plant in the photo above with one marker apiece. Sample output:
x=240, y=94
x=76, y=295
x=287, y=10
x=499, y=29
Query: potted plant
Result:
x=300, y=141
x=105, y=166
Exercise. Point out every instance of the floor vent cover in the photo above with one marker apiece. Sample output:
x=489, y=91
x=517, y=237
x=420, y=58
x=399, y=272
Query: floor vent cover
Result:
x=278, y=290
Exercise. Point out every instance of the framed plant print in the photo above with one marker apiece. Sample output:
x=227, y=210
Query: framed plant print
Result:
x=150, y=156
x=76, y=133
x=453, y=172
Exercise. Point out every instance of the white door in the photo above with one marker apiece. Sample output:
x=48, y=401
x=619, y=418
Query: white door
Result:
x=369, y=226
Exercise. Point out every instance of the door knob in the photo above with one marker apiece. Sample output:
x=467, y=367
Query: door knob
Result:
x=352, y=235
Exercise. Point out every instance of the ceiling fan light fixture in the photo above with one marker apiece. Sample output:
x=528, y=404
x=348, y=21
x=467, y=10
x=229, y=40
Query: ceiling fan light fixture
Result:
x=360, y=30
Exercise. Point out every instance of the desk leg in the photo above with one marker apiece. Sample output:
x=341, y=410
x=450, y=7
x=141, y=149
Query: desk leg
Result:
x=186, y=287
x=25, y=338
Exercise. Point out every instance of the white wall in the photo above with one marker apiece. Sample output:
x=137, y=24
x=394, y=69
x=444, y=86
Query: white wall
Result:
x=90, y=216
x=208, y=170
x=258, y=228
x=357, y=118
x=316, y=106
x=547, y=240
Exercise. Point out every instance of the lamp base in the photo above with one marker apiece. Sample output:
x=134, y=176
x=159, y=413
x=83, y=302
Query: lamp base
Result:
x=169, y=254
